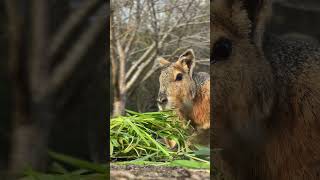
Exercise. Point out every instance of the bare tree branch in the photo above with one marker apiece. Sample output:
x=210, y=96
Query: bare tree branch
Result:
x=143, y=58
x=114, y=64
x=64, y=70
x=14, y=29
x=164, y=37
x=136, y=27
x=193, y=23
x=139, y=74
x=122, y=68
x=74, y=20
x=39, y=66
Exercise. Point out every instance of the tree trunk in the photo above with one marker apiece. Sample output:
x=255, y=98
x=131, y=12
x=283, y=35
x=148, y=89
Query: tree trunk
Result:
x=29, y=142
x=29, y=68
x=118, y=106
x=119, y=102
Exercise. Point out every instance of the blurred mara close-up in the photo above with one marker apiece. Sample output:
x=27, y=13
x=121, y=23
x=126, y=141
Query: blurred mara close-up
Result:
x=265, y=85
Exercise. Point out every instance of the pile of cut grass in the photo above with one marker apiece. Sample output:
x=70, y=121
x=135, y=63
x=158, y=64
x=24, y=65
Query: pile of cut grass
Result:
x=138, y=138
x=139, y=135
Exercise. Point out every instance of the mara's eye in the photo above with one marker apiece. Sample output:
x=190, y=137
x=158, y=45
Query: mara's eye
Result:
x=179, y=77
x=221, y=50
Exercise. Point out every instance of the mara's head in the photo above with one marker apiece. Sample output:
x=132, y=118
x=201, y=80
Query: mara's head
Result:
x=177, y=88
x=241, y=78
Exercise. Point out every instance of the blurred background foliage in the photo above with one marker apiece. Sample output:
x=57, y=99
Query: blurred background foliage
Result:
x=53, y=81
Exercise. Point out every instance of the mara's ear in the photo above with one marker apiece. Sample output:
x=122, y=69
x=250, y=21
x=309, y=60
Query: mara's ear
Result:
x=187, y=61
x=258, y=12
x=245, y=17
x=162, y=61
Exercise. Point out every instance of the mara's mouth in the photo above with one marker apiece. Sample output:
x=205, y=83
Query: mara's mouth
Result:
x=167, y=106
x=186, y=104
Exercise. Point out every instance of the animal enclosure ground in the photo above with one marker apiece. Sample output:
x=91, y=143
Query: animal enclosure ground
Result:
x=157, y=172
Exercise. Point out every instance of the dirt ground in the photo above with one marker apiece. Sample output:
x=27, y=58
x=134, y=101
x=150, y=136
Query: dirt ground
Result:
x=156, y=172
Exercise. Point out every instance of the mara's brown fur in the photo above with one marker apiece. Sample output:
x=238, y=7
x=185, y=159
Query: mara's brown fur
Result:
x=201, y=107
x=266, y=96
x=185, y=91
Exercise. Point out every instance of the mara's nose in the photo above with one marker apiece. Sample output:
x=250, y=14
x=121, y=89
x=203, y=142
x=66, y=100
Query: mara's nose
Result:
x=162, y=100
